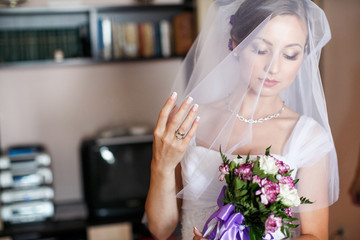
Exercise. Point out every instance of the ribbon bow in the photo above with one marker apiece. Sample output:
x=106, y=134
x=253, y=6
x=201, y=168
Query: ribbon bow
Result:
x=224, y=224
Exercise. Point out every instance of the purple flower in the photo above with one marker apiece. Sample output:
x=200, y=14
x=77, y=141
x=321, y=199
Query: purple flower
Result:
x=288, y=181
x=224, y=170
x=230, y=44
x=231, y=21
x=272, y=224
x=288, y=212
x=283, y=167
x=268, y=192
x=244, y=171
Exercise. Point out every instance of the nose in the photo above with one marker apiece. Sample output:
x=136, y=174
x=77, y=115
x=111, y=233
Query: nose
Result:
x=273, y=67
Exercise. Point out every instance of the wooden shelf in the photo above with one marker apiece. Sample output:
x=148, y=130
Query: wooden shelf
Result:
x=23, y=30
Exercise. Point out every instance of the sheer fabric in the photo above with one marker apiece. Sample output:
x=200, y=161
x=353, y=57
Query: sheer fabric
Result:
x=218, y=79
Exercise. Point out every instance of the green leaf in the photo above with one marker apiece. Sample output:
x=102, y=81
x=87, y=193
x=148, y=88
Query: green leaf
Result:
x=248, y=157
x=289, y=219
x=283, y=230
x=252, y=234
x=296, y=181
x=292, y=225
x=267, y=152
x=272, y=178
x=287, y=232
x=239, y=184
x=305, y=201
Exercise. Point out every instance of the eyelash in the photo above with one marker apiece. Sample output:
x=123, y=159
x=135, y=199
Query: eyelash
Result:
x=260, y=52
x=263, y=52
x=292, y=58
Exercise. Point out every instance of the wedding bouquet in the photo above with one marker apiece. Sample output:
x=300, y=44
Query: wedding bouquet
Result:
x=256, y=200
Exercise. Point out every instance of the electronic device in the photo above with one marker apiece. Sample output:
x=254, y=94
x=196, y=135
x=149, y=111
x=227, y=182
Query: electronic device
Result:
x=25, y=161
x=29, y=194
x=14, y=180
x=26, y=185
x=116, y=176
x=27, y=211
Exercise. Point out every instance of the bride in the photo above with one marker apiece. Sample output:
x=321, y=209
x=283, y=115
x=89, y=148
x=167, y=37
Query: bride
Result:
x=252, y=77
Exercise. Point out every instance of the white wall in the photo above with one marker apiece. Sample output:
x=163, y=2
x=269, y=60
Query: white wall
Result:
x=58, y=106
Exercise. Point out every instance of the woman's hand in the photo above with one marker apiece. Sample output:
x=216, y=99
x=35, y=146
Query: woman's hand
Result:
x=198, y=235
x=162, y=207
x=169, y=147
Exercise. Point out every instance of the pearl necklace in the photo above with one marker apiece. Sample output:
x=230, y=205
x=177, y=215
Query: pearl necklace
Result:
x=260, y=120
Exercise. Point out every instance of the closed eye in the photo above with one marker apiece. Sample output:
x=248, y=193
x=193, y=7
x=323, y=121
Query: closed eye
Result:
x=291, y=57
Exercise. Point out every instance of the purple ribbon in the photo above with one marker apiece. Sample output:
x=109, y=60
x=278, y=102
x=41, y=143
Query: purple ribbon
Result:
x=230, y=223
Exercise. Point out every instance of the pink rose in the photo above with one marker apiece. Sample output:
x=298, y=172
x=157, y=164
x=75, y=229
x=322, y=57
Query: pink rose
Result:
x=272, y=224
x=288, y=181
x=256, y=179
x=268, y=192
x=224, y=170
x=288, y=212
x=244, y=171
x=283, y=167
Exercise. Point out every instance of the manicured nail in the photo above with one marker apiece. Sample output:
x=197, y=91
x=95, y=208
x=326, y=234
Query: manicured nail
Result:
x=189, y=100
x=197, y=118
x=173, y=95
x=195, y=107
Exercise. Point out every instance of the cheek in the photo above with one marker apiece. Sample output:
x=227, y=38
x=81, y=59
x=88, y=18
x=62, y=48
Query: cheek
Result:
x=291, y=71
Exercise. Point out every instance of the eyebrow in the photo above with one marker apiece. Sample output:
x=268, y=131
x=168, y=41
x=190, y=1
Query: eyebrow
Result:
x=289, y=45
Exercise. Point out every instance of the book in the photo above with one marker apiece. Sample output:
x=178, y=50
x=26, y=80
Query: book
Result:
x=117, y=39
x=183, y=32
x=148, y=43
x=157, y=39
x=131, y=45
x=106, y=39
x=165, y=37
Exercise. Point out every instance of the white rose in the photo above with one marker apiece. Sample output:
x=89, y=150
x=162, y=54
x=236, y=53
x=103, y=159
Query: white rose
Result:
x=268, y=164
x=239, y=161
x=288, y=197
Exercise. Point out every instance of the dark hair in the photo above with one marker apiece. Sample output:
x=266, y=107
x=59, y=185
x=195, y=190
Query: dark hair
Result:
x=253, y=12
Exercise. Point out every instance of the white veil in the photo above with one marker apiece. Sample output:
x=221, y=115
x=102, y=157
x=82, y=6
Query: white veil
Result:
x=217, y=78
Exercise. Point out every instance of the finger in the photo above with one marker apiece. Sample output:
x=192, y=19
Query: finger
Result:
x=185, y=125
x=197, y=232
x=165, y=112
x=178, y=117
x=192, y=130
x=172, y=113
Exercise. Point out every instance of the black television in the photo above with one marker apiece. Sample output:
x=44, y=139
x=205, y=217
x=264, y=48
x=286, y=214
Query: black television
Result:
x=116, y=176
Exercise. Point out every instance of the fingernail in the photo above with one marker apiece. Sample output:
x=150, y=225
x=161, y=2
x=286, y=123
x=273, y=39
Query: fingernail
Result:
x=195, y=107
x=189, y=100
x=173, y=95
x=197, y=118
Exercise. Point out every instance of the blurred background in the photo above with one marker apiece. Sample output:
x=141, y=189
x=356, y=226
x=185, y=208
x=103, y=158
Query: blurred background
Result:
x=73, y=71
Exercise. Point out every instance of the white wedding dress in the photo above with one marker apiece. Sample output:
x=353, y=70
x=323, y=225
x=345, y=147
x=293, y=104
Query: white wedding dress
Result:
x=301, y=150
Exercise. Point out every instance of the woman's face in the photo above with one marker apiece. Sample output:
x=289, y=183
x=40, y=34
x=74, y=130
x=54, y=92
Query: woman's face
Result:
x=278, y=52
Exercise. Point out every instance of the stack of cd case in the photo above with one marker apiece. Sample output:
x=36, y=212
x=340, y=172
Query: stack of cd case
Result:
x=26, y=190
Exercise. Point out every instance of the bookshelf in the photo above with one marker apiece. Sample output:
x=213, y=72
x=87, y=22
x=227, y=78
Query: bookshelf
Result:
x=81, y=35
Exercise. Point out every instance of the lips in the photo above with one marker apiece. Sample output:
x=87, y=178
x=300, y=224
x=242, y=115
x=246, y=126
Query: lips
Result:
x=269, y=83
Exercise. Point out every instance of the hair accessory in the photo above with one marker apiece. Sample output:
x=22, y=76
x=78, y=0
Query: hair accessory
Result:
x=230, y=44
